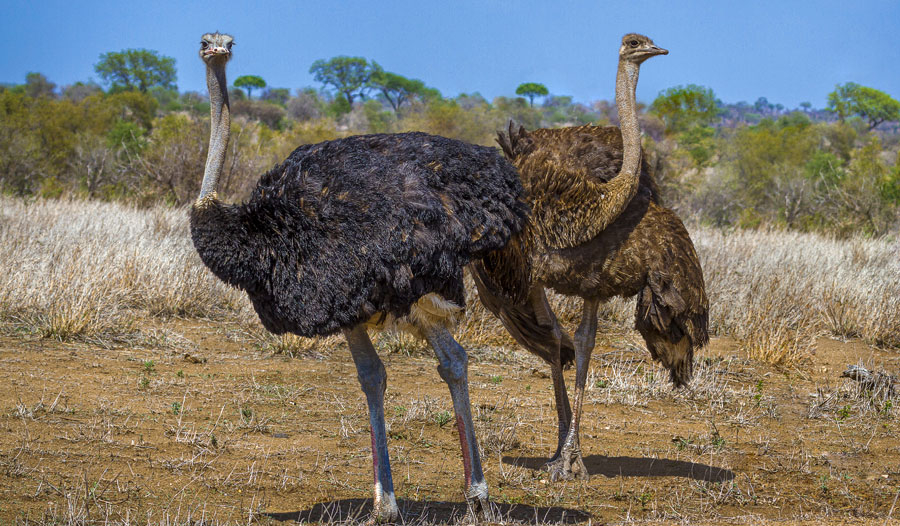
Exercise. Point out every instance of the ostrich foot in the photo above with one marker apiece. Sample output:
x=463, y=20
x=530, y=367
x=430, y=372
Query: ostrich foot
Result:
x=384, y=512
x=383, y=517
x=567, y=466
x=478, y=503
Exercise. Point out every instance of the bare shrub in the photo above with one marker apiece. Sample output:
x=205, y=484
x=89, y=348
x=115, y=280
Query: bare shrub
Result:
x=773, y=291
x=306, y=106
x=73, y=268
x=269, y=114
x=79, y=270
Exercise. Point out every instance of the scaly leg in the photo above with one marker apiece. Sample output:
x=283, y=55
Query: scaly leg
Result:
x=569, y=465
x=373, y=380
x=453, y=368
x=538, y=299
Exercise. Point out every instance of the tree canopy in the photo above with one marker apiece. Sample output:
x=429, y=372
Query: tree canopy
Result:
x=682, y=107
x=348, y=75
x=37, y=85
x=869, y=103
x=397, y=89
x=532, y=90
x=249, y=82
x=136, y=69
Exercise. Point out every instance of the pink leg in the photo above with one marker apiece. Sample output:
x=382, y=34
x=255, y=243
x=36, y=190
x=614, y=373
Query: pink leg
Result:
x=373, y=380
x=453, y=368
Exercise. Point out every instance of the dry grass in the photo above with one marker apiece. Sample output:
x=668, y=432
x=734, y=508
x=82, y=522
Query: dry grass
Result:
x=776, y=291
x=74, y=270
x=257, y=438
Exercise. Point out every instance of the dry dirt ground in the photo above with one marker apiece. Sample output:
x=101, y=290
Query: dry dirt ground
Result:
x=211, y=430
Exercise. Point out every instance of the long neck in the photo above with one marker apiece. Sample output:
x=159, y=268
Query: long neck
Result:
x=613, y=196
x=220, y=129
x=569, y=214
x=621, y=189
x=626, y=84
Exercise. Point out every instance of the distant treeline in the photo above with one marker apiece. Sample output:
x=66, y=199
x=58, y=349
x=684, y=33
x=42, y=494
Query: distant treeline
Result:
x=141, y=140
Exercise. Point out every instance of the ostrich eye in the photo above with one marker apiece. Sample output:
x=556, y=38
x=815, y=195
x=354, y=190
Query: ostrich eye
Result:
x=633, y=43
x=228, y=45
x=204, y=44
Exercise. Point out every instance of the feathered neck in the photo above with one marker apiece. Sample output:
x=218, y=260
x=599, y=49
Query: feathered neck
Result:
x=572, y=208
x=220, y=130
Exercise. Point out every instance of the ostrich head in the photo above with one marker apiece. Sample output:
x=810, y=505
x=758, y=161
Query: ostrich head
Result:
x=638, y=48
x=215, y=48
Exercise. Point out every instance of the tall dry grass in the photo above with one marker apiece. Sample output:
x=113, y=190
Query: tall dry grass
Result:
x=88, y=270
x=776, y=291
x=85, y=270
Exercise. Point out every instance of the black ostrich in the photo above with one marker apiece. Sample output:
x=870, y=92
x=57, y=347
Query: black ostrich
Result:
x=373, y=229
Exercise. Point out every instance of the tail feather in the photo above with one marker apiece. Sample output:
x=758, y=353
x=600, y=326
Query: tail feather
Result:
x=507, y=271
x=671, y=334
x=513, y=142
x=528, y=327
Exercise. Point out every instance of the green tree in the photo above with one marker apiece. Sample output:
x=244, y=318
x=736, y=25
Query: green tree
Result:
x=249, y=82
x=531, y=90
x=278, y=96
x=683, y=107
x=397, y=89
x=869, y=103
x=136, y=69
x=348, y=75
x=37, y=85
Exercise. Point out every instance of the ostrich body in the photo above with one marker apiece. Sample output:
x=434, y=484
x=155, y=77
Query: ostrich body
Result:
x=367, y=230
x=599, y=231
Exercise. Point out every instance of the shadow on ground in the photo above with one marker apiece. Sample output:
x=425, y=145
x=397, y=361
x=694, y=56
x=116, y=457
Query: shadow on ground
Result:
x=637, y=467
x=430, y=512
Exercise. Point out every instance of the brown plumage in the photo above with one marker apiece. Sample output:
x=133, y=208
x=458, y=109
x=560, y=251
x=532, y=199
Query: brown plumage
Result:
x=590, y=239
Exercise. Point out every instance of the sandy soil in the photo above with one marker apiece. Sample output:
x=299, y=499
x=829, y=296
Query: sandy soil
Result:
x=209, y=428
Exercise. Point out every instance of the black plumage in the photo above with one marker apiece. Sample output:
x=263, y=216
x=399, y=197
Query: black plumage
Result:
x=348, y=228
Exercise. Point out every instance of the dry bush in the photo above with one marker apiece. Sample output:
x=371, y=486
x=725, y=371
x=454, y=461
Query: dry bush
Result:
x=83, y=270
x=79, y=269
x=292, y=345
x=775, y=291
x=630, y=379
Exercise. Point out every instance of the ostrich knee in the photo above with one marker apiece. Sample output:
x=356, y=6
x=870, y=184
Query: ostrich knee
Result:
x=372, y=377
x=454, y=367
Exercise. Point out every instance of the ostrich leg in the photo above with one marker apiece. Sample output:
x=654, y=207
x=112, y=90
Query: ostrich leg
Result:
x=453, y=368
x=373, y=380
x=569, y=464
x=538, y=298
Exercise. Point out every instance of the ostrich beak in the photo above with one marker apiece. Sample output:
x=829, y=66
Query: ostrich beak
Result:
x=657, y=51
x=218, y=50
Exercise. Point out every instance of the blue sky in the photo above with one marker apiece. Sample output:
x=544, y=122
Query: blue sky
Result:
x=787, y=51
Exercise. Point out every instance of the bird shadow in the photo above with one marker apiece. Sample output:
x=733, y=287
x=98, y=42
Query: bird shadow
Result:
x=429, y=512
x=637, y=467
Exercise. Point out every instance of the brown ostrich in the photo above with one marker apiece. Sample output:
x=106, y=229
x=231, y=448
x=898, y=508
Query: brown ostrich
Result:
x=365, y=231
x=597, y=231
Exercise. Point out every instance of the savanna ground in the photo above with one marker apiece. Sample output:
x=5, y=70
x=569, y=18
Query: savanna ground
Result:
x=137, y=389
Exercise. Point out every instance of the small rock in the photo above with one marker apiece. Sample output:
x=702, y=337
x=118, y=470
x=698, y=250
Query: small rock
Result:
x=540, y=374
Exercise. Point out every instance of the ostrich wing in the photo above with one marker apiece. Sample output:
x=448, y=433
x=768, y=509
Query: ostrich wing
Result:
x=344, y=229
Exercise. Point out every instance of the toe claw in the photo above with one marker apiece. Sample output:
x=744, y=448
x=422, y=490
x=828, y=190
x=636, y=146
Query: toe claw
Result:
x=568, y=466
